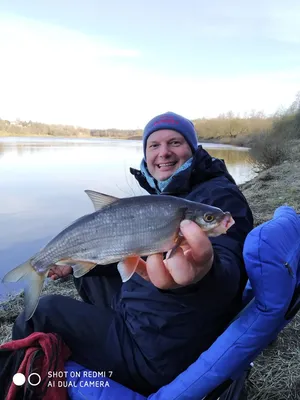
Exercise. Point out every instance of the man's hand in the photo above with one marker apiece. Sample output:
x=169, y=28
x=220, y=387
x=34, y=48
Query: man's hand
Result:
x=188, y=265
x=57, y=272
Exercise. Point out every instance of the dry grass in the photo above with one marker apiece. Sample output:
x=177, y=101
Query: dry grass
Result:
x=272, y=188
x=267, y=152
x=276, y=372
x=10, y=309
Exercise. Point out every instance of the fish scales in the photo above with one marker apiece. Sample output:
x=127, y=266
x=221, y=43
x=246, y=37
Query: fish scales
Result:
x=117, y=231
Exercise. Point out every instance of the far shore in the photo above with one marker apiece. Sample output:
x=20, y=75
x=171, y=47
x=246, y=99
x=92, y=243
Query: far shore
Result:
x=237, y=141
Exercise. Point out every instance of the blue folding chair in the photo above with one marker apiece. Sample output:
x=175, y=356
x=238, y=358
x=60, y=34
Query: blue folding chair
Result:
x=272, y=299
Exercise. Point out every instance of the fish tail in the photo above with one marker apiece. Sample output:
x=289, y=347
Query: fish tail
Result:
x=33, y=285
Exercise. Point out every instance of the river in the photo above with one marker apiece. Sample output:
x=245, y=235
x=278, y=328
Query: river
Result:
x=42, y=183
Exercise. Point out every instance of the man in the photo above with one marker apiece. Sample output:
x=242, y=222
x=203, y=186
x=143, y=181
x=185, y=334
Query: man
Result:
x=154, y=326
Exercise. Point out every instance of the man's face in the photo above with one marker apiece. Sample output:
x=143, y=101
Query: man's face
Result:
x=166, y=151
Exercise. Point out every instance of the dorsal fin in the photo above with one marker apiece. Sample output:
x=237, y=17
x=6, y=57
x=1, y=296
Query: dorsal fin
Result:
x=100, y=200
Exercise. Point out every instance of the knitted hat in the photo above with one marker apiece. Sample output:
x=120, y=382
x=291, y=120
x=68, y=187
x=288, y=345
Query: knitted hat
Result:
x=175, y=122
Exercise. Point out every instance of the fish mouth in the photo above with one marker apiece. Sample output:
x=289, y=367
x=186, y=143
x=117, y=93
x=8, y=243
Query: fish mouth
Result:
x=227, y=222
x=168, y=164
x=222, y=227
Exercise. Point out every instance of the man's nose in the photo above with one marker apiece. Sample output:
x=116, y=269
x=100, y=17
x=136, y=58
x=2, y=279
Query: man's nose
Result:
x=164, y=150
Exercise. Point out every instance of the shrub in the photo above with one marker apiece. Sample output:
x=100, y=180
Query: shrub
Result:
x=268, y=150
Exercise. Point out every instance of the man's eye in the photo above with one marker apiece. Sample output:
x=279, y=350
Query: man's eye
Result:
x=175, y=143
x=153, y=145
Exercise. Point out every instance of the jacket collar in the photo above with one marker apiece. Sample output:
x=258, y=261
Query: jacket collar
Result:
x=203, y=168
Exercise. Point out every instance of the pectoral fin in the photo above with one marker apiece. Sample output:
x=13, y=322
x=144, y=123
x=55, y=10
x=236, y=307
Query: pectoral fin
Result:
x=80, y=267
x=178, y=242
x=127, y=267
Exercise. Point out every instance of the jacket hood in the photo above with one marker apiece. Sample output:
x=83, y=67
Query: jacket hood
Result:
x=203, y=168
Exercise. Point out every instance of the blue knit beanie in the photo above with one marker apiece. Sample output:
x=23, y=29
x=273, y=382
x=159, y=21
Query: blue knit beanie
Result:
x=173, y=121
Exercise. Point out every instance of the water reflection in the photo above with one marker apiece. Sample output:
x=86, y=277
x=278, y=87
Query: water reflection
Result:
x=30, y=146
x=42, y=183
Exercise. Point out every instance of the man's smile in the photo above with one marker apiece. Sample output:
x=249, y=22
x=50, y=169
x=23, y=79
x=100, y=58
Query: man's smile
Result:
x=166, y=165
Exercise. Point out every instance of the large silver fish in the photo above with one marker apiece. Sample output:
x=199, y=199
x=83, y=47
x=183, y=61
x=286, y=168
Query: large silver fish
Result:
x=120, y=230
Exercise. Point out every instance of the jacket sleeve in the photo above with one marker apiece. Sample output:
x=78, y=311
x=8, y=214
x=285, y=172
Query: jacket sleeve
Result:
x=103, y=270
x=228, y=248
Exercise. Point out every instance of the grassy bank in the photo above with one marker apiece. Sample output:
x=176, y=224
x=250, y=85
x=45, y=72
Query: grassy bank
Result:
x=11, y=308
x=276, y=374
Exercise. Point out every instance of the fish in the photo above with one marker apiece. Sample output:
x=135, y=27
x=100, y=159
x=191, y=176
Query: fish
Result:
x=120, y=230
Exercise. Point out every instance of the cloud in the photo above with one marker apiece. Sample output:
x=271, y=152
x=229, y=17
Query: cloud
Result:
x=29, y=38
x=268, y=19
x=283, y=24
x=55, y=75
x=211, y=96
x=52, y=73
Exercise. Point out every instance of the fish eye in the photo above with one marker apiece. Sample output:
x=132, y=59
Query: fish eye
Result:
x=208, y=217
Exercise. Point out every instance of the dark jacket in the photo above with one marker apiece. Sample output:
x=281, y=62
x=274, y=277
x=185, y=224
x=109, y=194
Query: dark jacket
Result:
x=170, y=328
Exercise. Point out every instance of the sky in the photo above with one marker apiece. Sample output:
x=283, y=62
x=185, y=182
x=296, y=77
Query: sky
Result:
x=116, y=64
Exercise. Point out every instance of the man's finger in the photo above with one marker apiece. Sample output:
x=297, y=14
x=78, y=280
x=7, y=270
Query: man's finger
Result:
x=180, y=268
x=201, y=248
x=141, y=269
x=157, y=272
